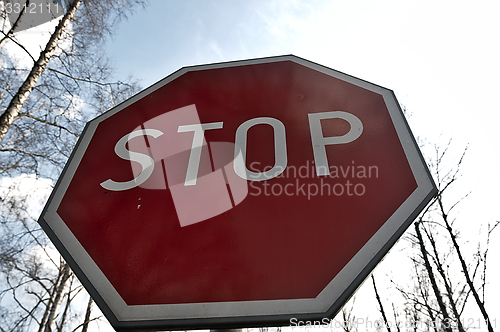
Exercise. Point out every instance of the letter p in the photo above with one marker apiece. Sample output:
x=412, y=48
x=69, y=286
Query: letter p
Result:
x=319, y=142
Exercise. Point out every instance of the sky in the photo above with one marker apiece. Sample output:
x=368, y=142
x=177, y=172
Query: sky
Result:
x=439, y=57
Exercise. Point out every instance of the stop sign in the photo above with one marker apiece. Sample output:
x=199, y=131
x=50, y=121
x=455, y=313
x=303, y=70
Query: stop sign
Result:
x=249, y=193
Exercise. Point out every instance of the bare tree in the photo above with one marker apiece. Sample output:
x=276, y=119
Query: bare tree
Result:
x=67, y=84
x=443, y=288
x=432, y=278
x=465, y=268
x=12, y=111
x=43, y=108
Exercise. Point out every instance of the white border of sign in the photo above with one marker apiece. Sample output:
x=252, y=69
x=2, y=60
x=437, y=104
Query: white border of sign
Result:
x=245, y=313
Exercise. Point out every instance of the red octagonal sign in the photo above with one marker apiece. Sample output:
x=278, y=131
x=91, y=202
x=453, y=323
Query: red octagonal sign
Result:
x=248, y=193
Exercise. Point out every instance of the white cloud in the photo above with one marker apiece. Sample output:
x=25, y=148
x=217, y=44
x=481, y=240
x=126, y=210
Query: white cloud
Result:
x=27, y=192
x=214, y=46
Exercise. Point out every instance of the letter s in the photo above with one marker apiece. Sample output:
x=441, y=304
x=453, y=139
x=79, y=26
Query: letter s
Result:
x=147, y=163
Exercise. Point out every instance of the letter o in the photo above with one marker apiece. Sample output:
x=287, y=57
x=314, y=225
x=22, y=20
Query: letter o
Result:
x=280, y=154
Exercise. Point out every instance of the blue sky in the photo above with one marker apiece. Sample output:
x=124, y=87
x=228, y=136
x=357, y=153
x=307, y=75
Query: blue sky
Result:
x=172, y=34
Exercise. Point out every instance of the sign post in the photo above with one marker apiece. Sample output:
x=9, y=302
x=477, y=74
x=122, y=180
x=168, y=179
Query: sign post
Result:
x=249, y=193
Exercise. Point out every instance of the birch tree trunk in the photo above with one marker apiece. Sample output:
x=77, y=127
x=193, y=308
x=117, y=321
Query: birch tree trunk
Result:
x=49, y=304
x=17, y=101
x=51, y=320
x=87, y=315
